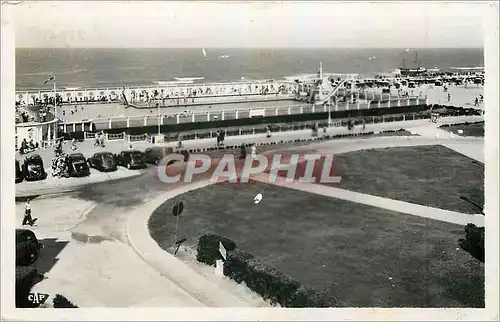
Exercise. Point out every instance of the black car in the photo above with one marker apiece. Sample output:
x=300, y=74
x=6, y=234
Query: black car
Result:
x=131, y=159
x=27, y=247
x=103, y=161
x=77, y=165
x=33, y=168
x=155, y=154
x=19, y=173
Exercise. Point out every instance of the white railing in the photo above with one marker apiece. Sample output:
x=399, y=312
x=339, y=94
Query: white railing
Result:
x=117, y=136
x=221, y=115
x=137, y=138
x=89, y=135
x=276, y=128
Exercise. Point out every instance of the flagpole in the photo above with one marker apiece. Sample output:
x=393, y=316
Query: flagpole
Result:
x=159, y=122
x=55, y=112
x=55, y=104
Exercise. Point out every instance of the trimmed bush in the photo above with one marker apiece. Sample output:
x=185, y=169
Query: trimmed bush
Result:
x=459, y=124
x=61, y=302
x=266, y=281
x=272, y=284
x=309, y=297
x=208, y=248
x=474, y=241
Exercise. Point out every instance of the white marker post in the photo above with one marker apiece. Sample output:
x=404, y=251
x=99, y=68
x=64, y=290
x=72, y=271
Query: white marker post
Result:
x=219, y=264
x=222, y=251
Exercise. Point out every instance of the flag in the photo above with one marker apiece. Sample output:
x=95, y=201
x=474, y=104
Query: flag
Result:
x=52, y=78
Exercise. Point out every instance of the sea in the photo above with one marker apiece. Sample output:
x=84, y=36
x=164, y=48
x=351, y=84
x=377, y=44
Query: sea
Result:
x=98, y=67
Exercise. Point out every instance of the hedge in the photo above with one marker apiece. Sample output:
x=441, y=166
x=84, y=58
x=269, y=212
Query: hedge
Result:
x=460, y=124
x=266, y=281
x=473, y=243
x=182, y=127
x=61, y=302
x=272, y=284
x=208, y=248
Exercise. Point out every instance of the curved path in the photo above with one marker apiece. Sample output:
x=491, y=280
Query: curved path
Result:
x=104, y=233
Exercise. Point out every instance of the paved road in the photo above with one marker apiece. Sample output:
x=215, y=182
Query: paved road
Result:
x=93, y=263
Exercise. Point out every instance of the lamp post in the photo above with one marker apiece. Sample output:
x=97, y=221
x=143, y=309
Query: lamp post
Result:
x=159, y=120
x=329, y=114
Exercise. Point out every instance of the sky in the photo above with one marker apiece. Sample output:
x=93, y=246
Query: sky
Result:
x=154, y=24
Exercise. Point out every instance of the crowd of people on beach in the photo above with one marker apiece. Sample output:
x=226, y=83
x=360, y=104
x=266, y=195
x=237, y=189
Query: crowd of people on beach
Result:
x=193, y=94
x=73, y=111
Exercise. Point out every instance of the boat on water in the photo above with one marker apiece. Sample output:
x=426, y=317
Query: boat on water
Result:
x=224, y=56
x=174, y=82
x=188, y=78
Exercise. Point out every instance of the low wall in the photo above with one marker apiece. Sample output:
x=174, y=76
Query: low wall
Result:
x=255, y=121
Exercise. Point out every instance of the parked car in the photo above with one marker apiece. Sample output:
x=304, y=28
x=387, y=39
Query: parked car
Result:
x=155, y=154
x=33, y=168
x=77, y=165
x=103, y=161
x=27, y=247
x=131, y=159
x=19, y=173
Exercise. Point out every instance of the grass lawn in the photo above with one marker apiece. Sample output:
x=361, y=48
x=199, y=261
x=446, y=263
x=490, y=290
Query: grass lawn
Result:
x=475, y=129
x=428, y=175
x=365, y=256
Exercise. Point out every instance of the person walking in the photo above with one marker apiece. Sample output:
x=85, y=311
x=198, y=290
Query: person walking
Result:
x=73, y=145
x=218, y=137
x=222, y=135
x=243, y=151
x=254, y=151
x=28, y=220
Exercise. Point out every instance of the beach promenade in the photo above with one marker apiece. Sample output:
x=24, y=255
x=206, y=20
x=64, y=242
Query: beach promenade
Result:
x=424, y=128
x=460, y=96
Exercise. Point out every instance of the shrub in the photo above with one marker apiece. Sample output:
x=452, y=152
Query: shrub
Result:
x=474, y=241
x=60, y=302
x=266, y=281
x=308, y=297
x=208, y=248
x=272, y=284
